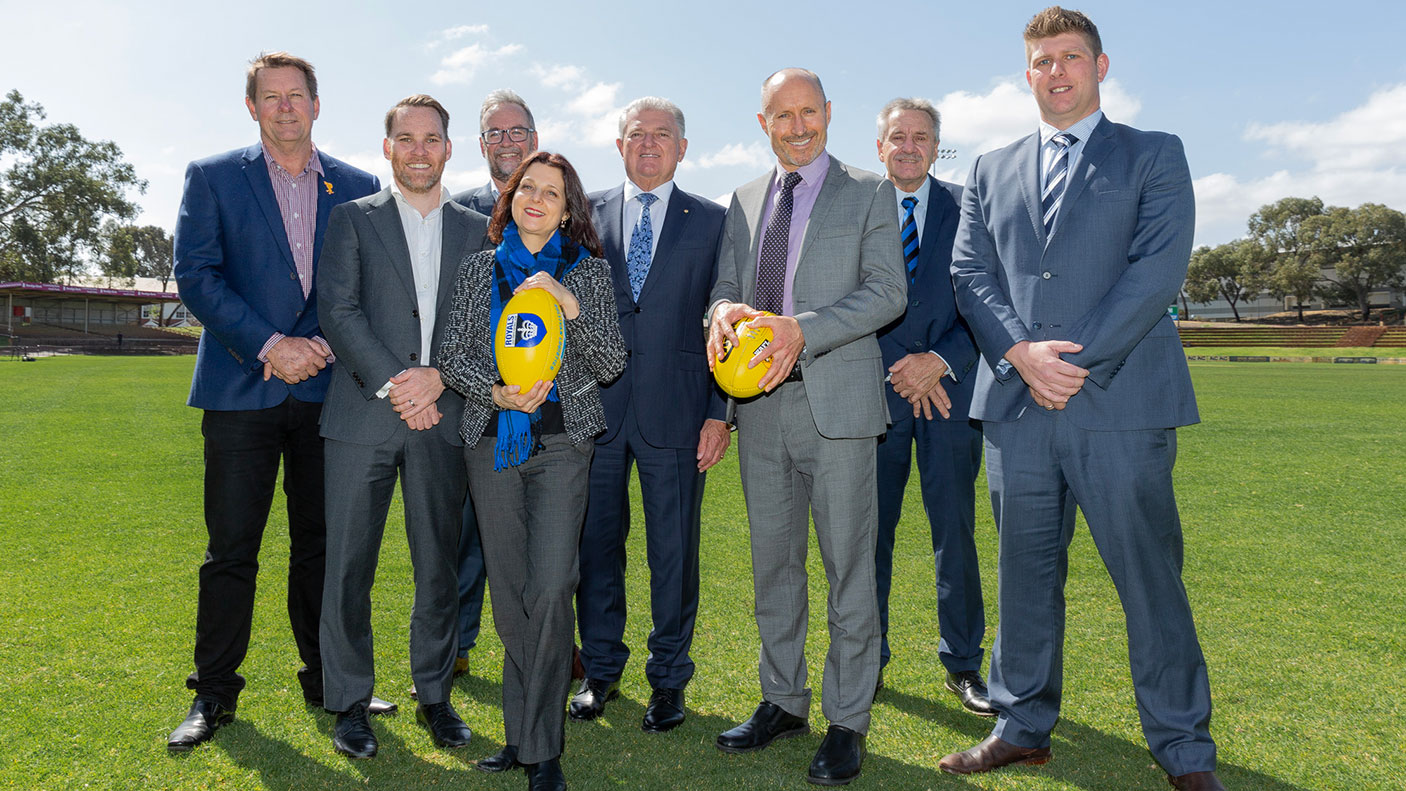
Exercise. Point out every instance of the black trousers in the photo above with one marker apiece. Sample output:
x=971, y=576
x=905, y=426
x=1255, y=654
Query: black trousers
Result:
x=242, y=454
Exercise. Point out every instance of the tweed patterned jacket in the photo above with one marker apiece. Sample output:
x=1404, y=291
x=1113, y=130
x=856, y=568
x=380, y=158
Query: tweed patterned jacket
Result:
x=594, y=354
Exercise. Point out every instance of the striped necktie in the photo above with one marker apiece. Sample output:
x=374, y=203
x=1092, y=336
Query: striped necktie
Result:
x=771, y=263
x=1055, y=179
x=908, y=233
x=641, y=251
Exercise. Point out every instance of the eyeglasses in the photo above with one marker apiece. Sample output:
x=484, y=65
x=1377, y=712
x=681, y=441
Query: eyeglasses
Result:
x=495, y=136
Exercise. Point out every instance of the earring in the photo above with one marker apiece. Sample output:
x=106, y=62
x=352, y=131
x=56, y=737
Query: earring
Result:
x=564, y=221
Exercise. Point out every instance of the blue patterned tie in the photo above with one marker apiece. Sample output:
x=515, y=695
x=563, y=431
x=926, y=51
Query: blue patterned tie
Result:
x=771, y=264
x=1055, y=179
x=641, y=246
x=908, y=232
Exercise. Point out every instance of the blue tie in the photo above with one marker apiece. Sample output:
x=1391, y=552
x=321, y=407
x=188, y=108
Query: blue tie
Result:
x=1055, y=180
x=776, y=243
x=908, y=232
x=641, y=246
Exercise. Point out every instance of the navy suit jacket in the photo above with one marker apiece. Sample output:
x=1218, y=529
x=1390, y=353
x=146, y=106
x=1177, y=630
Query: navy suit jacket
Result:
x=1104, y=278
x=234, y=270
x=931, y=322
x=480, y=200
x=666, y=377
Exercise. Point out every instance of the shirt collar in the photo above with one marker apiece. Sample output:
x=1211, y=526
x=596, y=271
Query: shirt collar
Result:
x=662, y=192
x=921, y=194
x=314, y=162
x=810, y=174
x=1080, y=129
x=400, y=197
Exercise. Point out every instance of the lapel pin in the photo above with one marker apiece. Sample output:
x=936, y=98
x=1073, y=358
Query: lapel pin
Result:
x=328, y=185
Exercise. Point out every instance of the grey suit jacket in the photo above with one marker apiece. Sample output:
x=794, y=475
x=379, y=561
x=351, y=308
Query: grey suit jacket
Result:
x=480, y=200
x=1104, y=278
x=850, y=280
x=371, y=316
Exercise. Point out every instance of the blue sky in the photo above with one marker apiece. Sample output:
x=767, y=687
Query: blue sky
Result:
x=1308, y=100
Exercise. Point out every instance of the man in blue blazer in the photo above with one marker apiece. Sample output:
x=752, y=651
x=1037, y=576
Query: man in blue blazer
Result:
x=930, y=358
x=247, y=239
x=1072, y=243
x=664, y=415
x=503, y=117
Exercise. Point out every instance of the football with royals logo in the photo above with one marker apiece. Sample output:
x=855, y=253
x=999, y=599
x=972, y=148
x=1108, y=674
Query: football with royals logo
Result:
x=731, y=371
x=530, y=338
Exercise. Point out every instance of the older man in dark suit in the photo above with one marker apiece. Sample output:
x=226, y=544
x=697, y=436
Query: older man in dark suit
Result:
x=387, y=275
x=663, y=415
x=1072, y=243
x=247, y=239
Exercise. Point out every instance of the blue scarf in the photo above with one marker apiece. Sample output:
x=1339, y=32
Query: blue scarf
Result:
x=519, y=434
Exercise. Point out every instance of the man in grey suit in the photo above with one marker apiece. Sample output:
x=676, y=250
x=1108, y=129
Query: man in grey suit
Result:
x=814, y=242
x=388, y=272
x=505, y=138
x=1072, y=243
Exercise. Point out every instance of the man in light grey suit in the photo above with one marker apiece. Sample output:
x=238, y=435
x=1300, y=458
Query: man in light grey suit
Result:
x=1071, y=244
x=816, y=243
x=505, y=138
x=387, y=274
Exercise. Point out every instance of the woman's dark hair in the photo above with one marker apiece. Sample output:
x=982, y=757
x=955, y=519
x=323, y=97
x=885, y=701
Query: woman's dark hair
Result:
x=578, y=228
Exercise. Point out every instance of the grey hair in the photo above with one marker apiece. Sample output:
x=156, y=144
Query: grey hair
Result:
x=812, y=76
x=499, y=98
x=652, y=103
x=921, y=105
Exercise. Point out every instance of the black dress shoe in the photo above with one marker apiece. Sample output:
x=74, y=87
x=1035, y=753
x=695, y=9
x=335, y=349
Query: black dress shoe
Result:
x=505, y=760
x=839, y=758
x=664, y=712
x=1196, y=781
x=444, y=724
x=767, y=724
x=589, y=701
x=352, y=736
x=546, y=776
x=204, y=718
x=971, y=690
x=376, y=706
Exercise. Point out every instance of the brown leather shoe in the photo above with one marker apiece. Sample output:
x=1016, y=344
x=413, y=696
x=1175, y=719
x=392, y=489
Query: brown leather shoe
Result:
x=992, y=753
x=1196, y=781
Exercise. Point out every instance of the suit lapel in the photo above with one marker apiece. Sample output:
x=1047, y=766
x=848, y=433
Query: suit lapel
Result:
x=384, y=215
x=816, y=220
x=326, y=199
x=675, y=220
x=257, y=173
x=1029, y=177
x=608, y=209
x=454, y=241
x=1095, y=150
x=751, y=199
x=932, y=226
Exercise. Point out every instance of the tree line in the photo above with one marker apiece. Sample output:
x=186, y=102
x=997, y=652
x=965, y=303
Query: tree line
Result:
x=1297, y=247
x=65, y=205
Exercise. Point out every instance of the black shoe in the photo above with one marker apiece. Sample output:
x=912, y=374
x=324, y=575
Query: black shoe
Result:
x=505, y=760
x=444, y=724
x=205, y=717
x=352, y=736
x=971, y=690
x=589, y=701
x=664, y=712
x=767, y=724
x=376, y=706
x=546, y=776
x=838, y=760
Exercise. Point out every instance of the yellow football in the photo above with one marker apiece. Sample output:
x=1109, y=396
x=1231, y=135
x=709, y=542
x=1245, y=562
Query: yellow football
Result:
x=731, y=371
x=530, y=337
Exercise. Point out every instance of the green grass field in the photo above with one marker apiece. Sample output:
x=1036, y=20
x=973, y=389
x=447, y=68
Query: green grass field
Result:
x=1292, y=492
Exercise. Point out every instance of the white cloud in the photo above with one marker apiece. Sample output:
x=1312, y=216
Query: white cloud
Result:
x=560, y=77
x=455, y=33
x=1357, y=157
x=459, y=66
x=597, y=99
x=756, y=155
x=977, y=123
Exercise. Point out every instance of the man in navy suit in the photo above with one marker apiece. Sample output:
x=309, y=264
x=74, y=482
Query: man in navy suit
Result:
x=247, y=239
x=664, y=415
x=1072, y=243
x=506, y=137
x=930, y=358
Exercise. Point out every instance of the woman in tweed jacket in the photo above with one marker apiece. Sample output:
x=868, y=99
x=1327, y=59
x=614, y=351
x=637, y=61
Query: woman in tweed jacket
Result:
x=528, y=477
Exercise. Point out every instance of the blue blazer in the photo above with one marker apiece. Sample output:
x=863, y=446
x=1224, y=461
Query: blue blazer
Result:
x=666, y=378
x=931, y=322
x=235, y=272
x=480, y=200
x=1104, y=278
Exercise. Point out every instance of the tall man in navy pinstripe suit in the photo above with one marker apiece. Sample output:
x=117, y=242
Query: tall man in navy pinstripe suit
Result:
x=1072, y=243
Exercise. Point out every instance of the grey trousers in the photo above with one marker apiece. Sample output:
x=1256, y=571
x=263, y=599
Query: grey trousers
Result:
x=530, y=524
x=789, y=473
x=360, y=483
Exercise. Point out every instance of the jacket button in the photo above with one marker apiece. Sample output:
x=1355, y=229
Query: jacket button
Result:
x=414, y=356
x=415, y=313
x=1035, y=326
x=637, y=308
x=292, y=275
x=1046, y=275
